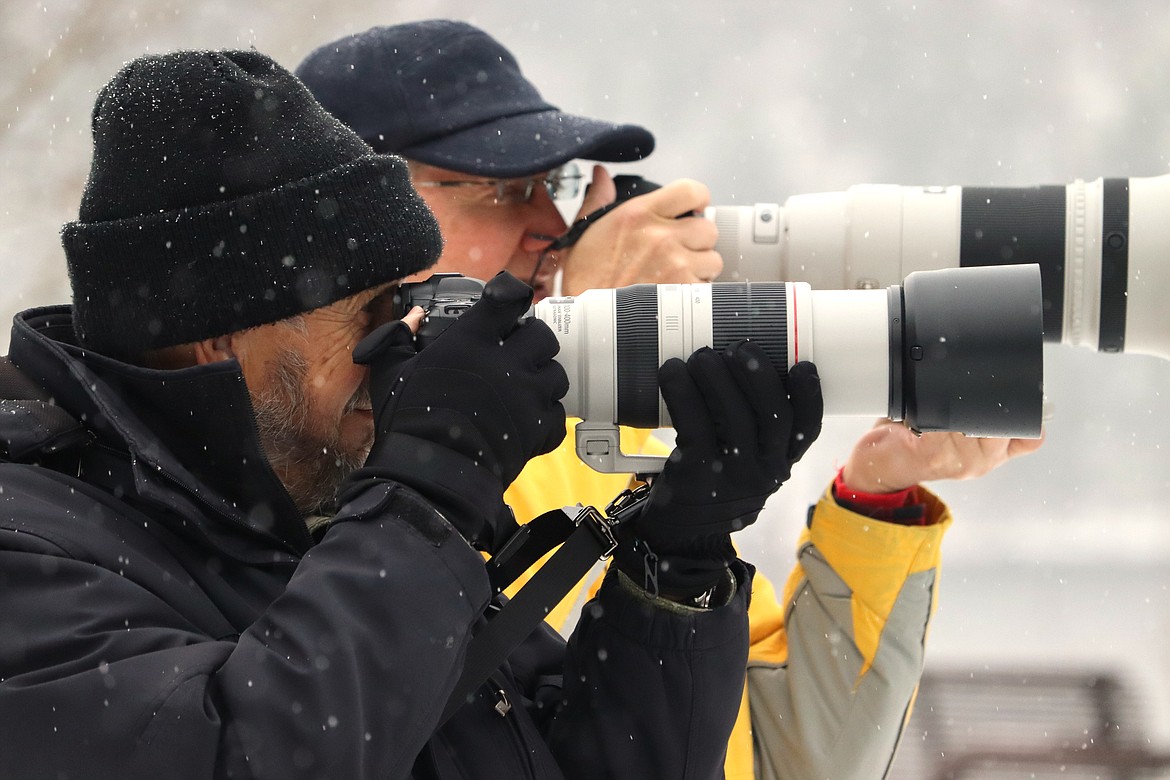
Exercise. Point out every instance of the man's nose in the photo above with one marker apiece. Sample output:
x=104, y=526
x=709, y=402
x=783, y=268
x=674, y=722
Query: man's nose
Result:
x=544, y=224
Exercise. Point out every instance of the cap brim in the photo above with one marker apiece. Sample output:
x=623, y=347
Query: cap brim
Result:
x=524, y=144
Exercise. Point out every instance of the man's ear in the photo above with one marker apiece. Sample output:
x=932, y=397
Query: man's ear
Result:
x=214, y=350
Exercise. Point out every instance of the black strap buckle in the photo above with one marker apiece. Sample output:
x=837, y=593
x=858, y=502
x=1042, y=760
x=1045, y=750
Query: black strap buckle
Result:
x=602, y=528
x=624, y=506
x=627, y=504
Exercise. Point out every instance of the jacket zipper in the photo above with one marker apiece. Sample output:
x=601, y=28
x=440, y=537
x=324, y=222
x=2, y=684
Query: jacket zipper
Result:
x=503, y=708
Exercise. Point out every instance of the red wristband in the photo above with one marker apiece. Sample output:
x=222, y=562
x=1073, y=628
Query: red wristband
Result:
x=874, y=502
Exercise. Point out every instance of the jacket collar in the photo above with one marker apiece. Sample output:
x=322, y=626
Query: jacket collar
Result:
x=190, y=431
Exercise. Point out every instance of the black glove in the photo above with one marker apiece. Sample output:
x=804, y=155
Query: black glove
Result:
x=458, y=420
x=739, y=430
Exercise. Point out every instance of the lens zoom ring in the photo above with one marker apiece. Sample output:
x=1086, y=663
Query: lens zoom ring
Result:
x=1008, y=225
x=759, y=312
x=637, y=355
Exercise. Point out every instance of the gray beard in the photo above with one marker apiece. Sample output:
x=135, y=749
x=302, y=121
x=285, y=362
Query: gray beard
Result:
x=312, y=465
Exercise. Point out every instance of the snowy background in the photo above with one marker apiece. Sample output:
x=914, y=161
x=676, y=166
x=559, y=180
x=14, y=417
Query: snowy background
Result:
x=1057, y=561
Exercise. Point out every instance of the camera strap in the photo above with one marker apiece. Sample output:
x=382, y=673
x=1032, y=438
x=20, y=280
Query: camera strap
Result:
x=627, y=186
x=585, y=536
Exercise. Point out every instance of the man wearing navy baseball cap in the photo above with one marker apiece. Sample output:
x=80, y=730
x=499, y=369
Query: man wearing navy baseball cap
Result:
x=491, y=157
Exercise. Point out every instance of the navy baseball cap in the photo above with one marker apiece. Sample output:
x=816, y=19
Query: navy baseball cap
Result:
x=447, y=94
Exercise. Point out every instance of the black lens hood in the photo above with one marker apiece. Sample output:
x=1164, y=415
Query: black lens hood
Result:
x=972, y=351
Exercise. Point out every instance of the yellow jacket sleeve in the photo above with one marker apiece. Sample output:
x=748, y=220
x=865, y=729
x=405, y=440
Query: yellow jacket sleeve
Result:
x=834, y=664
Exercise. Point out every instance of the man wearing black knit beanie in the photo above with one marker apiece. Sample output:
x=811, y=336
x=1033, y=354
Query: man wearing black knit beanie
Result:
x=241, y=518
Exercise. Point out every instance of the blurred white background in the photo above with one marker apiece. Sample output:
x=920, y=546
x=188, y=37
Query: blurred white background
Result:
x=1059, y=560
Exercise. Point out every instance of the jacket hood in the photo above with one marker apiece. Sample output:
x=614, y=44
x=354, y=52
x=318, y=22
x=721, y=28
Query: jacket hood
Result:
x=187, y=436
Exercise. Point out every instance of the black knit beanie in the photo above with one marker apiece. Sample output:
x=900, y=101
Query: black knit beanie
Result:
x=222, y=196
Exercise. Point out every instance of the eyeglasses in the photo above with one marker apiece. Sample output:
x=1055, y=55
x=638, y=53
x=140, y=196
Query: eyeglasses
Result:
x=560, y=183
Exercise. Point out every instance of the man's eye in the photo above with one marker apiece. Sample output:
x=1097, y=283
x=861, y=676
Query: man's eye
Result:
x=511, y=191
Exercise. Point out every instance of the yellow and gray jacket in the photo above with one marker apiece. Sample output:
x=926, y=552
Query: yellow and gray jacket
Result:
x=835, y=660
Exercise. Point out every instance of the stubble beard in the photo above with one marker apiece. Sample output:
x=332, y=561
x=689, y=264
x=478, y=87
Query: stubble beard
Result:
x=306, y=453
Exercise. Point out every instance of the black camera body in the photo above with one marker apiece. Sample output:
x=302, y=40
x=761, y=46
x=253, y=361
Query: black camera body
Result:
x=444, y=297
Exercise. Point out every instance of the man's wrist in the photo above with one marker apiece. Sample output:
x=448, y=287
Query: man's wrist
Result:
x=715, y=596
x=903, y=507
x=877, y=499
x=871, y=481
x=718, y=595
x=678, y=570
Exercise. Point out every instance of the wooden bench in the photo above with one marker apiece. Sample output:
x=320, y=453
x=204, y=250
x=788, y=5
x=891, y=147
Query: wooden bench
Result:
x=1038, y=724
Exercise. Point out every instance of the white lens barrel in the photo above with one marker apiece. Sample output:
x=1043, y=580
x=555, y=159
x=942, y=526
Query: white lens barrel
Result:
x=750, y=241
x=867, y=237
x=846, y=332
x=685, y=318
x=584, y=327
x=1102, y=247
x=953, y=349
x=847, y=335
x=1147, y=330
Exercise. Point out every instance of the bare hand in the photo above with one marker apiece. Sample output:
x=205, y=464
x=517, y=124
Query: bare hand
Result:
x=642, y=241
x=890, y=457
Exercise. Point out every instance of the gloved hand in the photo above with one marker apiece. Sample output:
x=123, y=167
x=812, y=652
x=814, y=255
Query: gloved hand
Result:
x=739, y=430
x=458, y=420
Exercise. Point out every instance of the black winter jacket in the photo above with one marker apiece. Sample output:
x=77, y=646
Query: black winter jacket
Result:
x=165, y=614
